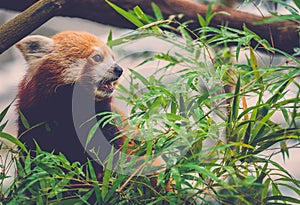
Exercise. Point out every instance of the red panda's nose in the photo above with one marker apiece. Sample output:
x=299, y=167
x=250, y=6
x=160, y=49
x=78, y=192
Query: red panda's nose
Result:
x=117, y=70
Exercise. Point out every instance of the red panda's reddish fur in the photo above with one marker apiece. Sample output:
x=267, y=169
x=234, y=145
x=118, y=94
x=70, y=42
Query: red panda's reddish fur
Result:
x=45, y=94
x=44, y=97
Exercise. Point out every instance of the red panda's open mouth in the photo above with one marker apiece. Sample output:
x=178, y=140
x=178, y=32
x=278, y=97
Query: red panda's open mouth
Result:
x=106, y=87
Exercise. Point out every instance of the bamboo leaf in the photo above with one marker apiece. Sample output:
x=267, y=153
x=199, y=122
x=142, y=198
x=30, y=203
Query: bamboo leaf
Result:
x=157, y=11
x=236, y=101
x=127, y=39
x=291, y=133
x=126, y=14
x=3, y=125
x=4, y=112
x=92, y=133
x=14, y=140
x=247, y=137
x=255, y=135
x=291, y=187
x=254, y=64
x=107, y=175
x=140, y=14
x=205, y=172
x=109, y=38
x=201, y=20
x=208, y=12
x=117, y=183
x=24, y=120
x=238, y=49
x=282, y=198
x=266, y=188
x=297, y=3
x=140, y=77
x=277, y=19
x=173, y=117
x=95, y=182
x=279, y=93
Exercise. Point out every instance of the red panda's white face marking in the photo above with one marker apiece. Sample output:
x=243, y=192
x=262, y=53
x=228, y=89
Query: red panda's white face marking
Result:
x=105, y=72
x=73, y=57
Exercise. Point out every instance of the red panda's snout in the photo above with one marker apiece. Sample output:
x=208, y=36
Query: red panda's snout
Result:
x=117, y=70
x=107, y=85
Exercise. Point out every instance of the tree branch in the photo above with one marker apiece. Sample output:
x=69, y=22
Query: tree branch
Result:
x=26, y=22
x=283, y=35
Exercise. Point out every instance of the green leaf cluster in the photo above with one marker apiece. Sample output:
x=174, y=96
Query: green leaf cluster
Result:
x=219, y=144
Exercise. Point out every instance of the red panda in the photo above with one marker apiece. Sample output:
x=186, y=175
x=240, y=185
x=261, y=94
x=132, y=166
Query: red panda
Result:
x=55, y=66
x=64, y=72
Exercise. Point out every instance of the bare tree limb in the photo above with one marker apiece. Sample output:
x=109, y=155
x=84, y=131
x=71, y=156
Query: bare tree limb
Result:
x=284, y=35
x=27, y=21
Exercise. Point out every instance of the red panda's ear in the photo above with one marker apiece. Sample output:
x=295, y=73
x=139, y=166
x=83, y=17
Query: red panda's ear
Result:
x=35, y=47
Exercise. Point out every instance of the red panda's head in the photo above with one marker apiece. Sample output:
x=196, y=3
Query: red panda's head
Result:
x=71, y=57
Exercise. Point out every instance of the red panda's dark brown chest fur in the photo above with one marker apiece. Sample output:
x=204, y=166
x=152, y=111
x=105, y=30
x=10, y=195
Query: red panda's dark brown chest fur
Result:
x=56, y=130
x=46, y=95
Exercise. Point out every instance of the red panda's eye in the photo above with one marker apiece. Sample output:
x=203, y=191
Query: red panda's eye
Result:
x=97, y=58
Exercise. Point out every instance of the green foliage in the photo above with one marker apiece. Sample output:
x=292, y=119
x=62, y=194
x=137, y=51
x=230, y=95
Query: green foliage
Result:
x=219, y=147
x=293, y=16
